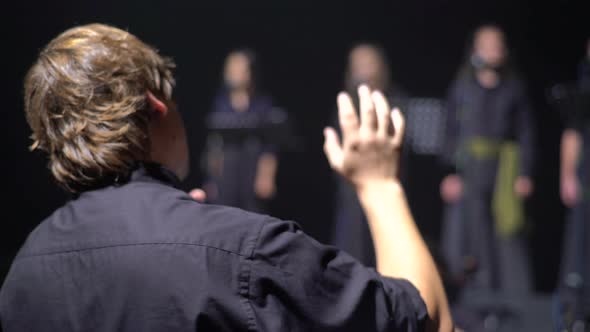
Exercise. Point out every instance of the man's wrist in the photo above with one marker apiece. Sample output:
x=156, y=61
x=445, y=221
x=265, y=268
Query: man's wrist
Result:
x=372, y=189
x=565, y=174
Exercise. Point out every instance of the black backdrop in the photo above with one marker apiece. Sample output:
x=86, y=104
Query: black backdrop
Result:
x=302, y=46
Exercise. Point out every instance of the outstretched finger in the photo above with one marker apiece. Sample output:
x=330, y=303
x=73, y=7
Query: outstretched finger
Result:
x=349, y=122
x=368, y=115
x=383, y=114
x=399, y=125
x=333, y=148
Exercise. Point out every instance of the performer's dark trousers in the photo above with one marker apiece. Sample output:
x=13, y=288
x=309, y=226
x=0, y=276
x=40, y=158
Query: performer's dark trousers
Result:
x=469, y=237
x=236, y=185
x=574, y=287
x=351, y=231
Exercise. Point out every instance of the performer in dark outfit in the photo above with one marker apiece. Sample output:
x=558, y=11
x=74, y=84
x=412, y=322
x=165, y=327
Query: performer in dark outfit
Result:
x=241, y=162
x=367, y=64
x=574, y=291
x=489, y=123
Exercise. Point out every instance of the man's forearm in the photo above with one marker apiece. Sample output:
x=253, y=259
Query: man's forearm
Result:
x=401, y=252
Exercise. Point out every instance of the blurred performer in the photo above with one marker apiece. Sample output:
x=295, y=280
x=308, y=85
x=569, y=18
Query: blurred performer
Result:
x=490, y=153
x=574, y=291
x=241, y=166
x=367, y=64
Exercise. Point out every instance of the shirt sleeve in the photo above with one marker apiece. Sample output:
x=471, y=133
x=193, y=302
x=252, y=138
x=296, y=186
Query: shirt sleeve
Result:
x=525, y=131
x=298, y=283
x=576, y=113
x=264, y=106
x=452, y=129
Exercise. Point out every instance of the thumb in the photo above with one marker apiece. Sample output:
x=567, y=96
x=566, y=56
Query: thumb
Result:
x=332, y=148
x=198, y=195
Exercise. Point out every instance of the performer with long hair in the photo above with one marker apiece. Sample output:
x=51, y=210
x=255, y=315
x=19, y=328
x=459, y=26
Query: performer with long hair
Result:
x=241, y=162
x=367, y=64
x=489, y=151
x=574, y=291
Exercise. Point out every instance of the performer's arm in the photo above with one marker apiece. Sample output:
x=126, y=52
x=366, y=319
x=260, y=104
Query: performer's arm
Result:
x=264, y=183
x=451, y=187
x=368, y=157
x=267, y=165
x=525, y=128
x=571, y=145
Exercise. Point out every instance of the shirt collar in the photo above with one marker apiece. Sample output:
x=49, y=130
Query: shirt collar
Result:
x=146, y=171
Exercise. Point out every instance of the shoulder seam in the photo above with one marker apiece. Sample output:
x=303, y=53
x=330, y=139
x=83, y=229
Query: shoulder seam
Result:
x=257, y=239
x=245, y=280
x=125, y=245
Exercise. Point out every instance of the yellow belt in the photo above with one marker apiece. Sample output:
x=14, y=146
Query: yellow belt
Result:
x=507, y=207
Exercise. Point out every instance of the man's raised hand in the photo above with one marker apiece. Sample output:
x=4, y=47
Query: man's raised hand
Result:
x=370, y=147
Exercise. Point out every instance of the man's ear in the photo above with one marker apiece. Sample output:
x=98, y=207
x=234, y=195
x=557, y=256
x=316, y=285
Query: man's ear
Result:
x=156, y=104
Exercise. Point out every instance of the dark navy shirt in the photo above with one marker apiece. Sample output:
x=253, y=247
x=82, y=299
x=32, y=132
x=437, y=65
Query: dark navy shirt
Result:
x=253, y=121
x=259, y=103
x=499, y=113
x=143, y=256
